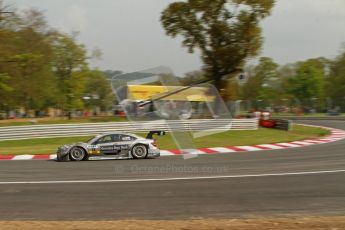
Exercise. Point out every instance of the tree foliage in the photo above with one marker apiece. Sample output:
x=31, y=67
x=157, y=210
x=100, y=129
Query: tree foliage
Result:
x=336, y=82
x=42, y=68
x=100, y=96
x=69, y=59
x=301, y=84
x=225, y=31
x=263, y=82
x=308, y=84
x=4, y=86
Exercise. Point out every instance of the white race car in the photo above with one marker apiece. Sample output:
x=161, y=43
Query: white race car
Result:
x=112, y=146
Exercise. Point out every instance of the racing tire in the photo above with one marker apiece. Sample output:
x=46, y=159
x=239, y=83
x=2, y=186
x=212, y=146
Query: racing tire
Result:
x=139, y=151
x=60, y=158
x=77, y=154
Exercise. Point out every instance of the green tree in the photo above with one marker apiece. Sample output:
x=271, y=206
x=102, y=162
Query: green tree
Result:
x=6, y=36
x=192, y=77
x=26, y=59
x=308, y=85
x=226, y=32
x=6, y=15
x=263, y=83
x=3, y=83
x=98, y=91
x=5, y=88
x=40, y=68
x=69, y=62
x=33, y=81
x=336, y=82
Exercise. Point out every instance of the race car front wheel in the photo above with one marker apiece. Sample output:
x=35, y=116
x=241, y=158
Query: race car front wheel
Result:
x=62, y=158
x=77, y=154
x=139, y=151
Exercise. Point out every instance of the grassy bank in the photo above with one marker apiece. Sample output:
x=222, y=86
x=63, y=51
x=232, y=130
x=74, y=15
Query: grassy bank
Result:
x=231, y=138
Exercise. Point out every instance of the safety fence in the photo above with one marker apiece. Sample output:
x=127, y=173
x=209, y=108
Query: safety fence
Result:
x=88, y=129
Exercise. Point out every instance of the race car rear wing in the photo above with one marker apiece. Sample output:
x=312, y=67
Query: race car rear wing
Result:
x=151, y=133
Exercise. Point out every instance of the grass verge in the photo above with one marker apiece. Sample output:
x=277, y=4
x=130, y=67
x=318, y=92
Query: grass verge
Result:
x=230, y=138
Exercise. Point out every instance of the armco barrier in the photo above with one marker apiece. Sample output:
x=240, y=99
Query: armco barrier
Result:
x=42, y=131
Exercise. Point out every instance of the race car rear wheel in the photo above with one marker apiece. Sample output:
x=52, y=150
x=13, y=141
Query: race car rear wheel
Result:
x=77, y=154
x=139, y=151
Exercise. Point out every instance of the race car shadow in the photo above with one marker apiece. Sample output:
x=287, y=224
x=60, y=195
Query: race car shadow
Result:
x=103, y=159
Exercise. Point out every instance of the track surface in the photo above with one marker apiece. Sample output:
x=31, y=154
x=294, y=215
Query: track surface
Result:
x=309, y=194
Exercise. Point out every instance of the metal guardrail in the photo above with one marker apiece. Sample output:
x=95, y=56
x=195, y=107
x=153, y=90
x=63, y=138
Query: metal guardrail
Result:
x=86, y=129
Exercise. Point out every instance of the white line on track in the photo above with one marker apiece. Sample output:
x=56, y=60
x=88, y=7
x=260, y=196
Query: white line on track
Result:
x=173, y=179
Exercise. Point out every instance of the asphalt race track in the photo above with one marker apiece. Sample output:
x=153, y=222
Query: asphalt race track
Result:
x=306, y=181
